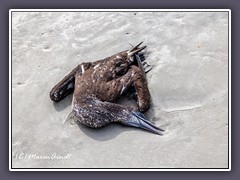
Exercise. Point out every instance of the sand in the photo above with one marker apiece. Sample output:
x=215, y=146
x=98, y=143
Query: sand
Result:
x=188, y=85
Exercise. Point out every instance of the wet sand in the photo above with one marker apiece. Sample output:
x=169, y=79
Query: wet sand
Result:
x=188, y=85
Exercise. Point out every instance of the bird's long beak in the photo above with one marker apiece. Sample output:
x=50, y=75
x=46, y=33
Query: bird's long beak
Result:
x=138, y=120
x=135, y=50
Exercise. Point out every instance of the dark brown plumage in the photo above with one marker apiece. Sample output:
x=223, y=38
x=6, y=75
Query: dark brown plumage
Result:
x=98, y=84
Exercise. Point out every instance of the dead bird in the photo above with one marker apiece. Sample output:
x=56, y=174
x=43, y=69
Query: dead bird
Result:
x=96, y=86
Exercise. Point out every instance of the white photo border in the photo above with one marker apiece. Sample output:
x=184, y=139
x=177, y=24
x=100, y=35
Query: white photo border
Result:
x=119, y=169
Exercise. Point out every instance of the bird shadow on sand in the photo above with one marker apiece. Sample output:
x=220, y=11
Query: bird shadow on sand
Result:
x=63, y=104
x=104, y=134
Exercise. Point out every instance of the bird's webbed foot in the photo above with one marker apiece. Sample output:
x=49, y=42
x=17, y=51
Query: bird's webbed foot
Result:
x=142, y=64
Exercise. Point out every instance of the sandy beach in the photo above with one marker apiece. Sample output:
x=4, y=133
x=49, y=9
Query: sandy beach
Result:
x=188, y=86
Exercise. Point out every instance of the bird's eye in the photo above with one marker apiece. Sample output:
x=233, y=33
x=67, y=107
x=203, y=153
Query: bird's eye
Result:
x=119, y=63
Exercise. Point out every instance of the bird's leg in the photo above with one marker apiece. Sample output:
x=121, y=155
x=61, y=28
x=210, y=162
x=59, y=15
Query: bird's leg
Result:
x=135, y=77
x=144, y=67
x=141, y=87
x=66, y=85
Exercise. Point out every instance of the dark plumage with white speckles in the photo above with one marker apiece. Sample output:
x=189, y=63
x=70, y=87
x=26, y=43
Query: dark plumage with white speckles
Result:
x=98, y=84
